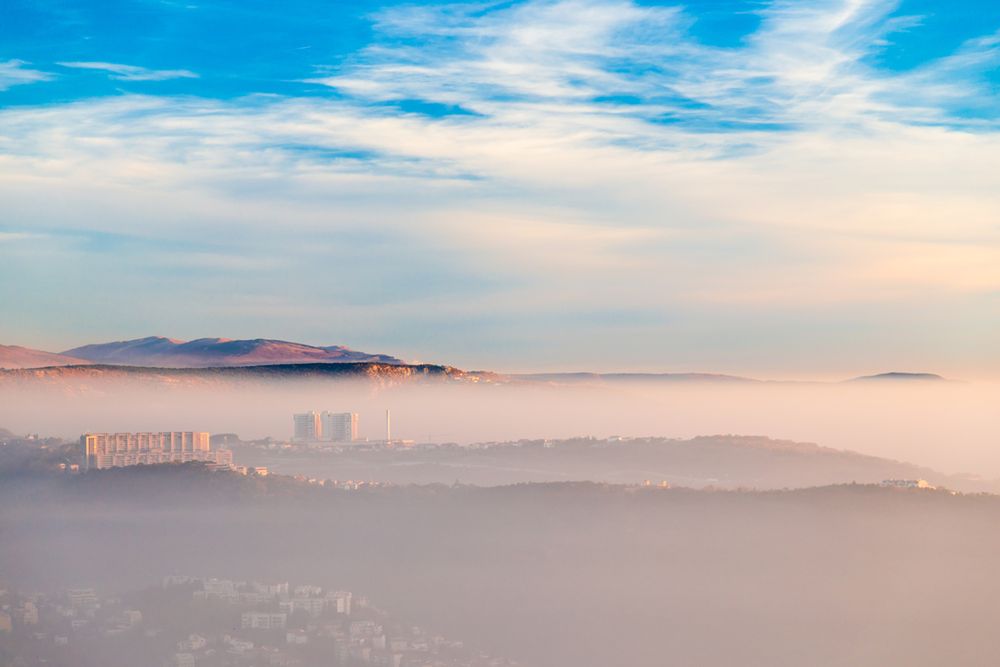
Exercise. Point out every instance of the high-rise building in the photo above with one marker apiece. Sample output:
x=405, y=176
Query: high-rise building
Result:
x=113, y=450
x=339, y=426
x=307, y=427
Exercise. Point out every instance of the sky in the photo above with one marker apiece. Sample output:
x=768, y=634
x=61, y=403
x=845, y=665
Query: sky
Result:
x=779, y=188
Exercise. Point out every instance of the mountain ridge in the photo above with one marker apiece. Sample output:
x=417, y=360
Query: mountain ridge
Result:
x=574, y=377
x=163, y=352
x=900, y=376
x=16, y=357
x=160, y=352
x=90, y=376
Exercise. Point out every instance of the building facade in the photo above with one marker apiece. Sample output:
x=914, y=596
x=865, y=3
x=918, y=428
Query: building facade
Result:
x=308, y=426
x=114, y=450
x=263, y=620
x=339, y=426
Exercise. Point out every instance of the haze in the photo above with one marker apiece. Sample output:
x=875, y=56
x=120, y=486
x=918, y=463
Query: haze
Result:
x=686, y=317
x=950, y=426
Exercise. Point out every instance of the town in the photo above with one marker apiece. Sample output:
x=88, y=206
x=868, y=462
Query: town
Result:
x=207, y=622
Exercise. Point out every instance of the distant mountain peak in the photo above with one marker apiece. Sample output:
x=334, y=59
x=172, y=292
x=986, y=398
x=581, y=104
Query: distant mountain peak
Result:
x=900, y=375
x=581, y=377
x=160, y=351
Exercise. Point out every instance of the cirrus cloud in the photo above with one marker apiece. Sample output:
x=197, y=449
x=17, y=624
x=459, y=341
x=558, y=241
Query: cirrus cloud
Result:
x=132, y=72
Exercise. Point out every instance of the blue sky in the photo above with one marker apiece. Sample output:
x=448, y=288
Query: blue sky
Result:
x=771, y=187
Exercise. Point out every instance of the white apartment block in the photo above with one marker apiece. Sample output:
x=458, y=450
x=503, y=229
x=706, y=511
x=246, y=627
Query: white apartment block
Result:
x=339, y=426
x=114, y=450
x=325, y=426
x=308, y=427
x=314, y=606
x=342, y=601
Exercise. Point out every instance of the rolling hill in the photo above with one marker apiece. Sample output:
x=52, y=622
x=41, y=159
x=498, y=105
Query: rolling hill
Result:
x=15, y=356
x=897, y=376
x=108, y=376
x=158, y=351
x=554, y=575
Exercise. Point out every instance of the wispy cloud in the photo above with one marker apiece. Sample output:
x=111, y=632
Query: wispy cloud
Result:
x=10, y=237
x=16, y=72
x=805, y=66
x=132, y=72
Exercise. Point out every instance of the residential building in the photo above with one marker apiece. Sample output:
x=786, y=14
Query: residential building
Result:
x=263, y=620
x=29, y=613
x=296, y=637
x=83, y=598
x=908, y=483
x=339, y=426
x=308, y=427
x=306, y=591
x=342, y=601
x=113, y=450
x=314, y=606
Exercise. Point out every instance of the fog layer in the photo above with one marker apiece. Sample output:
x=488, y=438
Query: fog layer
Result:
x=949, y=426
x=571, y=575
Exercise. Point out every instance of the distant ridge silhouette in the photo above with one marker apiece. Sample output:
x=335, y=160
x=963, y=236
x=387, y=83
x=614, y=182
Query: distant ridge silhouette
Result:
x=158, y=351
x=15, y=356
x=898, y=375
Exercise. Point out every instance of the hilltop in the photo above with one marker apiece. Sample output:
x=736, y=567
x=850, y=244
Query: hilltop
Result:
x=158, y=351
x=162, y=352
x=899, y=376
x=15, y=356
x=719, y=461
x=583, y=377
x=97, y=376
